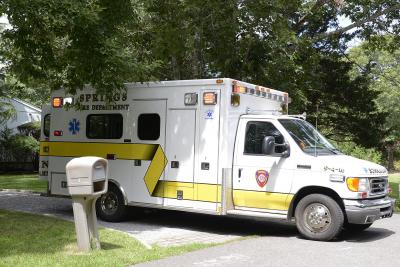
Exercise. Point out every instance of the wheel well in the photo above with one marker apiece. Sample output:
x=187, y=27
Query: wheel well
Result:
x=305, y=191
x=120, y=188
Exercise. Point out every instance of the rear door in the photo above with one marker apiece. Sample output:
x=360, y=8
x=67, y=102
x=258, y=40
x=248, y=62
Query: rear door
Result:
x=44, y=137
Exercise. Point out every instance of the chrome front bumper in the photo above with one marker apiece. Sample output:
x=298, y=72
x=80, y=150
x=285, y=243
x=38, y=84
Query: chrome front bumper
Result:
x=368, y=210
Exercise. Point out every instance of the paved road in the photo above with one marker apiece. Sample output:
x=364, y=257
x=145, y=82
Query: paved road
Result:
x=377, y=246
x=277, y=244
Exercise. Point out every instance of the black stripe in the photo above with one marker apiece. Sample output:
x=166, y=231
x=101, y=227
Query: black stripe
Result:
x=307, y=167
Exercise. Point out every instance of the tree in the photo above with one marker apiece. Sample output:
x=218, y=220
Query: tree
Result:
x=289, y=45
x=385, y=74
x=67, y=44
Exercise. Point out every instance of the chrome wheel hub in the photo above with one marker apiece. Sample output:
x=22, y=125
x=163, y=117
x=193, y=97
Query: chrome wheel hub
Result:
x=317, y=217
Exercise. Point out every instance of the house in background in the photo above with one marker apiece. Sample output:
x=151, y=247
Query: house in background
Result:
x=24, y=113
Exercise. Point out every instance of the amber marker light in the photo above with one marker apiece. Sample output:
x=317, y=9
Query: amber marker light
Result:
x=57, y=102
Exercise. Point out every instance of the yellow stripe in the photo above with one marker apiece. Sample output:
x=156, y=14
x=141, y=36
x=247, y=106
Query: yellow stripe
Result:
x=167, y=189
x=262, y=200
x=212, y=193
x=155, y=169
x=151, y=152
x=77, y=149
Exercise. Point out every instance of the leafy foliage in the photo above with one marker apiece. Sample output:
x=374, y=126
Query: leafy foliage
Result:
x=370, y=154
x=72, y=43
x=294, y=46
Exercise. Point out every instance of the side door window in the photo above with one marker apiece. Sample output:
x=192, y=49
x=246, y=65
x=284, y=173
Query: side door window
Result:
x=256, y=131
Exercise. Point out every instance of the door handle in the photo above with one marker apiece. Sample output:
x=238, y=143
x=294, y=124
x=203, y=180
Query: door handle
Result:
x=240, y=172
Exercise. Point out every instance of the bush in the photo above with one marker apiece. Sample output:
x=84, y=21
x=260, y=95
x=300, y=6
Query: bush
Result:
x=370, y=154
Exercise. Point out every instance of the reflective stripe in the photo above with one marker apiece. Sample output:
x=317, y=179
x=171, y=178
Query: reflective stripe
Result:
x=262, y=200
x=152, y=152
x=167, y=189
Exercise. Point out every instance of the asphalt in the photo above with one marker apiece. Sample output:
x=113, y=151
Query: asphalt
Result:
x=377, y=246
x=270, y=243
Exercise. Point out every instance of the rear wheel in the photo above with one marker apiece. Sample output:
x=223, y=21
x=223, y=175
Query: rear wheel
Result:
x=319, y=217
x=110, y=206
x=352, y=227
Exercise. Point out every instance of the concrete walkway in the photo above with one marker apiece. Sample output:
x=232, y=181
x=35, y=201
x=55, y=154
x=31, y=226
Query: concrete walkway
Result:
x=162, y=228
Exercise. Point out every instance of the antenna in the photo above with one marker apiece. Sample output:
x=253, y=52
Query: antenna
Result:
x=316, y=127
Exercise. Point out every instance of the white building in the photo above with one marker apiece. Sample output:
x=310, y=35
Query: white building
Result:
x=24, y=113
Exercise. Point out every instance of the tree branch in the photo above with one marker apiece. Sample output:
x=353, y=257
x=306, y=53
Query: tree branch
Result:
x=359, y=23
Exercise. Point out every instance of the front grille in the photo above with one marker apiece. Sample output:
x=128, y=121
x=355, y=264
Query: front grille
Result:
x=378, y=186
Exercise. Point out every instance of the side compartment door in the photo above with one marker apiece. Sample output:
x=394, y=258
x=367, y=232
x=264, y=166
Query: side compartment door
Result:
x=180, y=151
x=260, y=182
x=148, y=119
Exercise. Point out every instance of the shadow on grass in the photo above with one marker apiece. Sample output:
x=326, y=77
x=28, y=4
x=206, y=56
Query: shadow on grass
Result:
x=109, y=246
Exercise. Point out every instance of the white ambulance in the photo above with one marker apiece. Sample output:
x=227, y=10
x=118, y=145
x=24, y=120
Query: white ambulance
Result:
x=215, y=146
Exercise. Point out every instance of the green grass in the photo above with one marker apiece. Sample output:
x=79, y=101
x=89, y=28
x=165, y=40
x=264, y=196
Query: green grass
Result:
x=33, y=240
x=394, y=177
x=22, y=182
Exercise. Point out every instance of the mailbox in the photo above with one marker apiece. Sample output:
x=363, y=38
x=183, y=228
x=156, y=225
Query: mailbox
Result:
x=87, y=179
x=87, y=176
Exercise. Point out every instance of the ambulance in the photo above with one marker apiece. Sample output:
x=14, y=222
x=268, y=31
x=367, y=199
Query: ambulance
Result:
x=212, y=146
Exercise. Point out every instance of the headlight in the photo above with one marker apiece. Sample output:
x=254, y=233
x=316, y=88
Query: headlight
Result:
x=357, y=184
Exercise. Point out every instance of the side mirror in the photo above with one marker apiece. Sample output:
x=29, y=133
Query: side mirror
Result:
x=286, y=151
x=268, y=145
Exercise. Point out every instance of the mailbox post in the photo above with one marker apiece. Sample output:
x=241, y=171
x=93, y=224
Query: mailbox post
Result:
x=87, y=179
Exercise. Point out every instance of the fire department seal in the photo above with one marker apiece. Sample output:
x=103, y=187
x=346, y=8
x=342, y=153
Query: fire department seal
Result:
x=262, y=177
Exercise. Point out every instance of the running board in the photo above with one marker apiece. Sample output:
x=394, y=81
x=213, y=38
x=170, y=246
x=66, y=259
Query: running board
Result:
x=254, y=214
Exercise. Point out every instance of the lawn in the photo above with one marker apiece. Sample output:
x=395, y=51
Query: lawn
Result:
x=394, y=178
x=33, y=240
x=22, y=182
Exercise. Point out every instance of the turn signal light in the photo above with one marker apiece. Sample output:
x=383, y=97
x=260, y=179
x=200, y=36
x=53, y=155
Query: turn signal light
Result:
x=353, y=184
x=57, y=102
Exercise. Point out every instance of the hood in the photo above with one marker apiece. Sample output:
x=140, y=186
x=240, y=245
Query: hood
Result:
x=350, y=166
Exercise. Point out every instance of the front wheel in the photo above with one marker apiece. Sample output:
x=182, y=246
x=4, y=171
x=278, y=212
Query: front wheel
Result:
x=319, y=217
x=110, y=206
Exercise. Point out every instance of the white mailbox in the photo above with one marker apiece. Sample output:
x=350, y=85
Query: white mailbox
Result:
x=87, y=176
x=87, y=179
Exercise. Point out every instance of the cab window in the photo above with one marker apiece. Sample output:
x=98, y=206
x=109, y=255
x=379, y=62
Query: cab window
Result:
x=104, y=126
x=255, y=133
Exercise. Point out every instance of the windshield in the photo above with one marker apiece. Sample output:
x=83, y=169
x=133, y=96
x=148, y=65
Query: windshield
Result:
x=308, y=138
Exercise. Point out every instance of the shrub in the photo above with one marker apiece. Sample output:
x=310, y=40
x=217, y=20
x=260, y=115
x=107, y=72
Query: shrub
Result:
x=370, y=154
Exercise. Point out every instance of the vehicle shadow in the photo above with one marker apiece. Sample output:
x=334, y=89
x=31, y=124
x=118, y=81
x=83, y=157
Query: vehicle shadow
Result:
x=156, y=219
x=370, y=235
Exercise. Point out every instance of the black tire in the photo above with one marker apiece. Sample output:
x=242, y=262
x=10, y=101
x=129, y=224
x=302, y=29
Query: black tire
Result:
x=110, y=206
x=319, y=217
x=356, y=228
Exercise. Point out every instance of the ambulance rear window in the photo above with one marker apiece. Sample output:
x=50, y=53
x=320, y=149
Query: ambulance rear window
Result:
x=104, y=126
x=46, y=125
